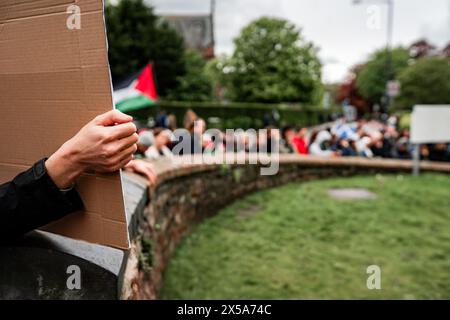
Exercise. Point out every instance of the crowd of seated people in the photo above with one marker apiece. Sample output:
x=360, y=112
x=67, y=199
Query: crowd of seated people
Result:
x=361, y=138
x=371, y=139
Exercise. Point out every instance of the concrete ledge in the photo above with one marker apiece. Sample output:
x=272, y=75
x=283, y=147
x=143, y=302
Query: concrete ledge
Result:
x=36, y=266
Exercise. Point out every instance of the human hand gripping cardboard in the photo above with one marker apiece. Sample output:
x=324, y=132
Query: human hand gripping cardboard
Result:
x=104, y=145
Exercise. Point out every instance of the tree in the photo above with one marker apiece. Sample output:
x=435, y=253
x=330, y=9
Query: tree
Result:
x=273, y=63
x=372, y=79
x=195, y=84
x=427, y=81
x=348, y=92
x=218, y=70
x=136, y=37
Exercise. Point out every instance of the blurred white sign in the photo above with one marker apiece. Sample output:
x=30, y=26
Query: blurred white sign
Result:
x=430, y=124
x=393, y=88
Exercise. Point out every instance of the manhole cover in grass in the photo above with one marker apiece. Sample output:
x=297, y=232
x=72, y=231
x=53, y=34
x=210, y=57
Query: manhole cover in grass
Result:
x=351, y=194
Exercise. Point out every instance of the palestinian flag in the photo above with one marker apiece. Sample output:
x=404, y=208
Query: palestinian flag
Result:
x=136, y=92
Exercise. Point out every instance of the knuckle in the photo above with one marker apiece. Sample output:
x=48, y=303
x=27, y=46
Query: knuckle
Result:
x=104, y=155
x=110, y=161
x=114, y=167
x=108, y=152
x=103, y=136
x=113, y=162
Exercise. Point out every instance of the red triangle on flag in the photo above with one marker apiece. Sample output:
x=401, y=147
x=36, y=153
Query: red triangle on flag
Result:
x=146, y=83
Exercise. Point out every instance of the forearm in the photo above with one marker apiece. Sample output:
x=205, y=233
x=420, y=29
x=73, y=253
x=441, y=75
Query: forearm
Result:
x=63, y=168
x=33, y=200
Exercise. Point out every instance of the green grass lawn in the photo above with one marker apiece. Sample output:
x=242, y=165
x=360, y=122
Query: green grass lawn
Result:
x=296, y=242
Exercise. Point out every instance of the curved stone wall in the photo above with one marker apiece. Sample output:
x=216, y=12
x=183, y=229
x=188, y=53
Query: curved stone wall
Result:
x=188, y=193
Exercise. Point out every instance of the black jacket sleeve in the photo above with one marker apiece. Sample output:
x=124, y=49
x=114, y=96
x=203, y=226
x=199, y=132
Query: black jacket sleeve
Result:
x=32, y=200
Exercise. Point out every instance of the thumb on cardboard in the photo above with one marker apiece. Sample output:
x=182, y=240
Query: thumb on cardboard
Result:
x=112, y=117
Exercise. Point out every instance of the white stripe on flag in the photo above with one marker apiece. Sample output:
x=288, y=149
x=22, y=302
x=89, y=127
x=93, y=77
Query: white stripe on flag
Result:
x=126, y=93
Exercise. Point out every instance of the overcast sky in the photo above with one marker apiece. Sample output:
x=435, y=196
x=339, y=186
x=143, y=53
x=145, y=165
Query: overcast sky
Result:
x=339, y=28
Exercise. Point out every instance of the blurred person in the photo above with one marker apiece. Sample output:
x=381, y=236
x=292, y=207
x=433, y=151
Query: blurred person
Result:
x=381, y=146
x=334, y=143
x=172, y=122
x=266, y=141
x=301, y=141
x=424, y=151
x=360, y=128
x=200, y=126
x=363, y=147
x=198, y=143
x=391, y=135
x=392, y=122
x=246, y=139
x=261, y=141
x=162, y=120
x=46, y=192
x=321, y=145
x=239, y=141
x=403, y=147
x=286, y=146
x=372, y=127
x=273, y=140
x=196, y=128
x=145, y=141
x=160, y=147
x=344, y=130
x=269, y=120
x=214, y=143
x=293, y=142
x=347, y=148
x=189, y=118
x=438, y=152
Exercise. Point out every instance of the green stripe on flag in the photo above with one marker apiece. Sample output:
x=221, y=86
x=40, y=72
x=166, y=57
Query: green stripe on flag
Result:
x=136, y=103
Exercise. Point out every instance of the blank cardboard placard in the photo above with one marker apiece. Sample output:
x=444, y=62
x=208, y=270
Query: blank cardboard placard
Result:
x=53, y=80
x=430, y=124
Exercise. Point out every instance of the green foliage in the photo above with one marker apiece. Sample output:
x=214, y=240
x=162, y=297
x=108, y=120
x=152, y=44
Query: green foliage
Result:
x=146, y=254
x=296, y=242
x=405, y=121
x=195, y=84
x=136, y=37
x=427, y=81
x=240, y=115
x=272, y=63
x=372, y=79
x=218, y=70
